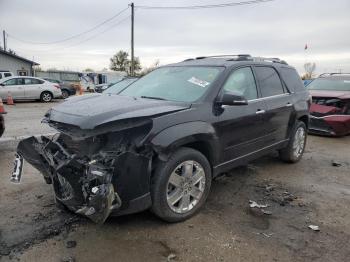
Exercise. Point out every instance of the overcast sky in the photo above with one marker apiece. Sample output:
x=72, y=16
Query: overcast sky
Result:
x=280, y=28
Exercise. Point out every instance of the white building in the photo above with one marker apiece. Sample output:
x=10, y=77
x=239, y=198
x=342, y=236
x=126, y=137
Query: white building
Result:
x=17, y=65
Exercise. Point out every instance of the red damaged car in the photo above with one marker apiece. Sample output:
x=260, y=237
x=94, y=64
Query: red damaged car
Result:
x=330, y=108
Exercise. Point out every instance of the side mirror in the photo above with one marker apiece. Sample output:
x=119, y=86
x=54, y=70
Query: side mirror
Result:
x=231, y=99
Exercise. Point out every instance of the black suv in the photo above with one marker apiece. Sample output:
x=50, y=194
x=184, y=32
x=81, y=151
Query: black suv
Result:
x=159, y=142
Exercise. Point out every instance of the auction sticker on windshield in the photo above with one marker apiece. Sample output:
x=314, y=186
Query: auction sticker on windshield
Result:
x=198, y=82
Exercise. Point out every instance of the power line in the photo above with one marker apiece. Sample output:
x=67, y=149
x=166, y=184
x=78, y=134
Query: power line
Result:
x=99, y=33
x=91, y=37
x=206, y=6
x=71, y=37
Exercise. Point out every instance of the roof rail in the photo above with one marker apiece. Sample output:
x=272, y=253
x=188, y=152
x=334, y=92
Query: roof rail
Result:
x=270, y=59
x=242, y=57
x=222, y=56
x=332, y=74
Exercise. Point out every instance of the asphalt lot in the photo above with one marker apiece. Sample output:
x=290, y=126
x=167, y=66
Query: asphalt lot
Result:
x=311, y=192
x=24, y=119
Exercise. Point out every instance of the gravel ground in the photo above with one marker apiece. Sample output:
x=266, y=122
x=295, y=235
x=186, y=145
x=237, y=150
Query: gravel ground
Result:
x=312, y=192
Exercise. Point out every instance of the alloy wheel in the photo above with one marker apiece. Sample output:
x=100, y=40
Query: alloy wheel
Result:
x=47, y=97
x=185, y=186
x=299, y=142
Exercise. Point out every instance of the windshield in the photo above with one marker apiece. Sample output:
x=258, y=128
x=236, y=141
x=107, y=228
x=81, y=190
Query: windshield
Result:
x=181, y=84
x=119, y=86
x=329, y=84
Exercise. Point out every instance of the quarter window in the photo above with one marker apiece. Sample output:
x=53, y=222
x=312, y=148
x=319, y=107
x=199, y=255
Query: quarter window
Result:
x=269, y=81
x=242, y=82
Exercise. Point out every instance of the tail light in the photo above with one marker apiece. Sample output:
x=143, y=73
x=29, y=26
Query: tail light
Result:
x=57, y=86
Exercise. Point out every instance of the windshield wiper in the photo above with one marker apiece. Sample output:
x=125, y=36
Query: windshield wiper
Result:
x=153, y=97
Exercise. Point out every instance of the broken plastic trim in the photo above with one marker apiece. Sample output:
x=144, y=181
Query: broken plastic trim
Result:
x=17, y=169
x=85, y=187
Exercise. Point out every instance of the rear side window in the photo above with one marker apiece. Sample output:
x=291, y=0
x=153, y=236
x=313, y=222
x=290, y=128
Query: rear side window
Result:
x=292, y=79
x=7, y=74
x=242, y=82
x=32, y=81
x=269, y=81
x=36, y=81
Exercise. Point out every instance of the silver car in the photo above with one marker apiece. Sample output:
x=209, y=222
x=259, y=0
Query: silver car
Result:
x=29, y=88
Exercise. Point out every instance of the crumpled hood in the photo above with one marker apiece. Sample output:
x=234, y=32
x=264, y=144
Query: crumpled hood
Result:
x=90, y=111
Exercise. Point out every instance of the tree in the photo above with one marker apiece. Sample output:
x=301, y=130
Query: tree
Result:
x=37, y=68
x=137, y=66
x=309, y=70
x=88, y=70
x=121, y=62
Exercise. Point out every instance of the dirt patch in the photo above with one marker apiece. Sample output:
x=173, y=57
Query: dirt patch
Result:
x=312, y=192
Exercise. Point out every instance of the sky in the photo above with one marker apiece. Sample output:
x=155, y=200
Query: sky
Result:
x=279, y=28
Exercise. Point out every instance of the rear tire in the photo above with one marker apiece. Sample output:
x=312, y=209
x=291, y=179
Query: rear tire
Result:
x=65, y=94
x=181, y=185
x=296, y=145
x=46, y=97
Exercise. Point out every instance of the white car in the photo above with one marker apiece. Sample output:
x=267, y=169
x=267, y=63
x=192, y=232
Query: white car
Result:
x=29, y=88
x=4, y=74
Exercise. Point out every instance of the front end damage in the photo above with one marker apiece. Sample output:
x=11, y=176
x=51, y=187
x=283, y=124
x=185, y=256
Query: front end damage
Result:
x=330, y=116
x=94, y=175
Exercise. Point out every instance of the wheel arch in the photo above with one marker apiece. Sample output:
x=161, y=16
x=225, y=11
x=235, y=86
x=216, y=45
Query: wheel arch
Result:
x=197, y=135
x=305, y=119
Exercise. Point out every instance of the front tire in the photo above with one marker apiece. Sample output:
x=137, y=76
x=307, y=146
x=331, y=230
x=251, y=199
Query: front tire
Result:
x=181, y=185
x=46, y=97
x=296, y=145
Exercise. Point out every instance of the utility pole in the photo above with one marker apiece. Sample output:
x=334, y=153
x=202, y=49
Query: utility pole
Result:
x=4, y=37
x=132, y=40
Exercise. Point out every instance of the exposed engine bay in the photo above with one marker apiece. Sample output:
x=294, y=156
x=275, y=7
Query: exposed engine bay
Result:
x=330, y=105
x=92, y=175
x=330, y=115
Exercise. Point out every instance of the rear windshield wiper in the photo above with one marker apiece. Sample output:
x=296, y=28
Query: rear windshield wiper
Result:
x=153, y=97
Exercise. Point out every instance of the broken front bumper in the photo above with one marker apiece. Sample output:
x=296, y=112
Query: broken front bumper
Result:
x=85, y=185
x=333, y=125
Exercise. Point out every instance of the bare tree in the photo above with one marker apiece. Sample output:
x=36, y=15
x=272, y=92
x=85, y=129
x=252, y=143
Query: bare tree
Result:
x=309, y=70
x=149, y=69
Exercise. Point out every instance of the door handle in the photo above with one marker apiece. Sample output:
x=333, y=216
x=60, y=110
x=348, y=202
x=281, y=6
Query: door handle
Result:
x=260, y=112
x=289, y=104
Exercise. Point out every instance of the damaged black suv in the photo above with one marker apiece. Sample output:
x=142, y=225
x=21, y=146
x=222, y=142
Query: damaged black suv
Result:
x=159, y=142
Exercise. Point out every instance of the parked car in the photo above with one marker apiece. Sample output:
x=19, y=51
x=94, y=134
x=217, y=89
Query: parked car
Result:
x=4, y=74
x=29, y=88
x=101, y=87
x=2, y=124
x=66, y=89
x=119, y=86
x=330, y=108
x=159, y=143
